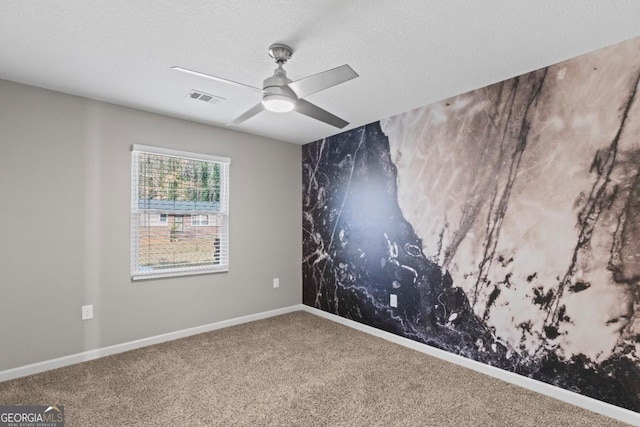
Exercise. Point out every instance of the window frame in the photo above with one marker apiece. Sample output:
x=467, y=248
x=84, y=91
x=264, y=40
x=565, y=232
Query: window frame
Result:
x=221, y=215
x=198, y=222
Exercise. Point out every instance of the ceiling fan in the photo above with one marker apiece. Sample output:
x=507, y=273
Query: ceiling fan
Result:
x=280, y=94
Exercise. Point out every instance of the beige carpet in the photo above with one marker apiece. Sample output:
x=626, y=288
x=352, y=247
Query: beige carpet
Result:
x=292, y=370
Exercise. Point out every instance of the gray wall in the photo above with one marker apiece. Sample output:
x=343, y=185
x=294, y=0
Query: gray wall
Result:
x=64, y=213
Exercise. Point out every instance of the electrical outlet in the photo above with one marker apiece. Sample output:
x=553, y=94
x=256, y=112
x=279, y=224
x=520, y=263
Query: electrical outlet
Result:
x=393, y=300
x=87, y=312
x=276, y=282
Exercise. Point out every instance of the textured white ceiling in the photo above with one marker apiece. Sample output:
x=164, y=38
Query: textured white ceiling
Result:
x=408, y=53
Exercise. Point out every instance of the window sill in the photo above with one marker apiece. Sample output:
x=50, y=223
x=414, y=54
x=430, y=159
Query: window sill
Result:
x=173, y=273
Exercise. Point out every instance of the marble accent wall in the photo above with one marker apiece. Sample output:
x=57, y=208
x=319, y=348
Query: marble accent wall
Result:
x=506, y=220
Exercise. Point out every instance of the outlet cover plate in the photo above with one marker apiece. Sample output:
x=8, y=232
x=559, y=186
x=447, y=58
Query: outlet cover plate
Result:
x=276, y=282
x=393, y=300
x=87, y=312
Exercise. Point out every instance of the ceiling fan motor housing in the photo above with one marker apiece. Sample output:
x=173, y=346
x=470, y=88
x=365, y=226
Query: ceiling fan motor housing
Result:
x=277, y=95
x=277, y=84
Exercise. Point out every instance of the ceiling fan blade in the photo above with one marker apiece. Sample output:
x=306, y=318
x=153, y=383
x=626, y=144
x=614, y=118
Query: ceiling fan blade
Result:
x=315, y=112
x=326, y=79
x=218, y=79
x=248, y=114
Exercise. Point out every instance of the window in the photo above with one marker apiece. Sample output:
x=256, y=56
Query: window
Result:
x=199, y=220
x=179, y=213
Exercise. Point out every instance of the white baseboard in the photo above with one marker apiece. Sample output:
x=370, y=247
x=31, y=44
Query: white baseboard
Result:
x=47, y=365
x=585, y=402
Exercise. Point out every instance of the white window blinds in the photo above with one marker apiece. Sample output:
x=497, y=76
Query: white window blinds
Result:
x=179, y=213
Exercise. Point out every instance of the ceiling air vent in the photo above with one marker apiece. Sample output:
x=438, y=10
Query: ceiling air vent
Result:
x=204, y=97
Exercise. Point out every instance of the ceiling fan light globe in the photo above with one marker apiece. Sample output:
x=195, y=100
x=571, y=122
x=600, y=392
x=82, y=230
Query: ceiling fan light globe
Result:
x=278, y=103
